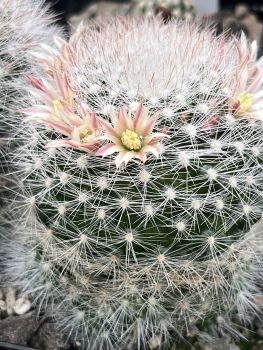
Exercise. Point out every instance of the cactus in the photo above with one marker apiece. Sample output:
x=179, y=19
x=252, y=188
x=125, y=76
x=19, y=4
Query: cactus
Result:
x=141, y=188
x=24, y=26
x=177, y=8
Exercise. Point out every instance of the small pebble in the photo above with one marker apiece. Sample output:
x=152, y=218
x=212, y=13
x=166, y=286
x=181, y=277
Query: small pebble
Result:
x=1, y=295
x=2, y=306
x=155, y=342
x=22, y=305
x=10, y=300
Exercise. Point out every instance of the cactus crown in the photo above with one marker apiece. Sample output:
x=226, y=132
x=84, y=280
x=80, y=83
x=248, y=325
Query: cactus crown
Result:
x=141, y=171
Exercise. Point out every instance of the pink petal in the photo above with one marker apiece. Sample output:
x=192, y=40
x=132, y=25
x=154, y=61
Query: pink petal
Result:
x=138, y=116
x=154, y=138
x=211, y=122
x=75, y=134
x=123, y=122
x=119, y=158
x=71, y=119
x=94, y=122
x=36, y=82
x=36, y=112
x=44, y=118
x=92, y=147
x=59, y=41
x=62, y=143
x=108, y=149
x=142, y=156
x=258, y=105
x=257, y=83
x=58, y=127
x=42, y=96
x=107, y=138
x=58, y=77
x=236, y=106
x=150, y=124
x=72, y=144
x=108, y=128
x=152, y=149
x=128, y=156
x=83, y=109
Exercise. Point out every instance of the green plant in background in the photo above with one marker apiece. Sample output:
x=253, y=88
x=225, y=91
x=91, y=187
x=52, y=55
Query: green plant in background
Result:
x=184, y=9
x=141, y=188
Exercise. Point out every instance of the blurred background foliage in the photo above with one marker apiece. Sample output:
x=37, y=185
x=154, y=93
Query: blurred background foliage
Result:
x=232, y=16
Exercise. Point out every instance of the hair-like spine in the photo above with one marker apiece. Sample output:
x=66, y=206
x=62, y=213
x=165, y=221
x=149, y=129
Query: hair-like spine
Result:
x=25, y=25
x=140, y=171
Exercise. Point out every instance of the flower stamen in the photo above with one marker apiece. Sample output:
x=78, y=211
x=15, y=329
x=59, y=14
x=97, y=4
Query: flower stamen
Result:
x=131, y=140
x=56, y=105
x=84, y=135
x=244, y=103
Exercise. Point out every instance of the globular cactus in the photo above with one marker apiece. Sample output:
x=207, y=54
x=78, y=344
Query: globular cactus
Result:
x=24, y=26
x=142, y=183
x=177, y=8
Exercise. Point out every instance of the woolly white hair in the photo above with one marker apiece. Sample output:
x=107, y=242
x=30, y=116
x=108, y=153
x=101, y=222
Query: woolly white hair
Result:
x=149, y=249
x=25, y=25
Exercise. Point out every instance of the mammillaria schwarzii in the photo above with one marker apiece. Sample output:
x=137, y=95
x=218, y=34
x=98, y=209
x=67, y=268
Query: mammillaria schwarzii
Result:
x=143, y=185
x=24, y=24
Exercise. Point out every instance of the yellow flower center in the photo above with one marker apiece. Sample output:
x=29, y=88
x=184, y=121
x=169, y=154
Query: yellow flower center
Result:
x=245, y=101
x=84, y=135
x=56, y=105
x=131, y=140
